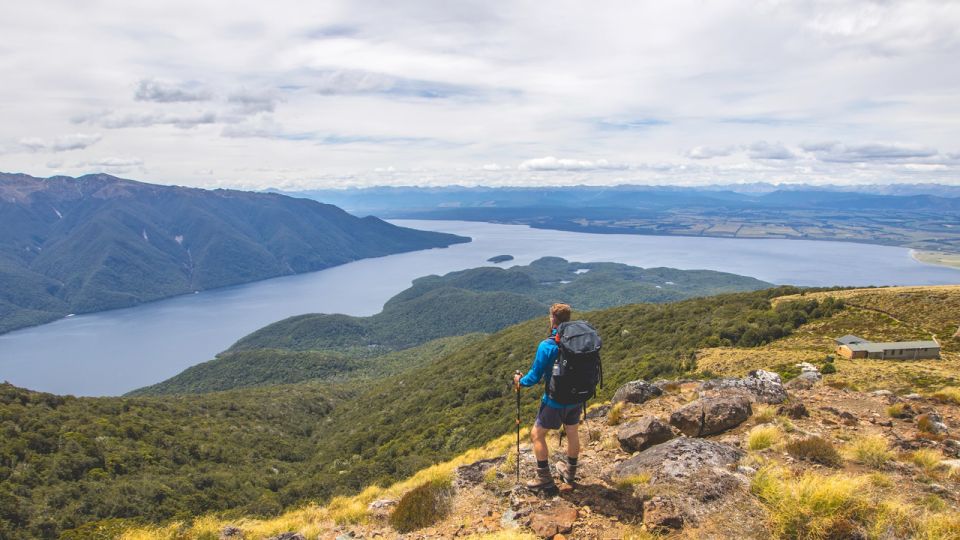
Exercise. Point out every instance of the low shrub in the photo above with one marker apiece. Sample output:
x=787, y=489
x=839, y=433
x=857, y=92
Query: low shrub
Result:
x=815, y=449
x=828, y=369
x=422, y=506
x=870, y=450
x=763, y=436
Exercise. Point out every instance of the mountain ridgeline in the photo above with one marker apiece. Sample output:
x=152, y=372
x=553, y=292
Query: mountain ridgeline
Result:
x=76, y=245
x=485, y=299
x=68, y=461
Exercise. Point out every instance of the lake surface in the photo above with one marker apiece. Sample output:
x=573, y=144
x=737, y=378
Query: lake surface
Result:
x=113, y=352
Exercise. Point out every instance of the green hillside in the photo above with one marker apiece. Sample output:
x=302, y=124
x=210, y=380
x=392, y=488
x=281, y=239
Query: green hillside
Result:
x=487, y=299
x=261, y=367
x=66, y=461
x=76, y=245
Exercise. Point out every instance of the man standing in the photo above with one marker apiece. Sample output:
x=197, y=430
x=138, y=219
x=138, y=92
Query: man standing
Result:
x=552, y=414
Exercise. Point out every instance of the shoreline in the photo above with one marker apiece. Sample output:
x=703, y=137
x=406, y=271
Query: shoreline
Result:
x=936, y=258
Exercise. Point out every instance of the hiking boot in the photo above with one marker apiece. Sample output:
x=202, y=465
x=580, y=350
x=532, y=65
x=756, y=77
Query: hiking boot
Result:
x=543, y=481
x=567, y=472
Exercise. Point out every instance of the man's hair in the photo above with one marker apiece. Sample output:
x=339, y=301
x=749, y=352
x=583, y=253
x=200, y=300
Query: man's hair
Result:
x=560, y=313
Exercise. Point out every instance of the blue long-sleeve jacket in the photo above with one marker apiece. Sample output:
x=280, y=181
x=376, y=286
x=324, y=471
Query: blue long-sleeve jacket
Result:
x=542, y=369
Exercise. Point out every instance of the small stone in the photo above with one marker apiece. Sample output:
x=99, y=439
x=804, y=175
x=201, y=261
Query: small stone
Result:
x=913, y=397
x=231, y=532
x=745, y=470
x=881, y=393
x=288, y=536
x=550, y=522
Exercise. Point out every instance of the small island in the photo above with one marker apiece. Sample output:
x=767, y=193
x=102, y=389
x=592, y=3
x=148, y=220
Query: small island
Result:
x=500, y=258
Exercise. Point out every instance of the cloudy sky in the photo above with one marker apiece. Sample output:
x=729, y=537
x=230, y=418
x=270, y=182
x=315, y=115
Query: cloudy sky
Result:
x=356, y=92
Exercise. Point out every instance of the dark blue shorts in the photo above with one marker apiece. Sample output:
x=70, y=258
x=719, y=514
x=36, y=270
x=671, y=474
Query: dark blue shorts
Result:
x=550, y=417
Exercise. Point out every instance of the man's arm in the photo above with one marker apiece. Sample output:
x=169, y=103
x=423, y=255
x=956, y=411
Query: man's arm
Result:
x=540, y=364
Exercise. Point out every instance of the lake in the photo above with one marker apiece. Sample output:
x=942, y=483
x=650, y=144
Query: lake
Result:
x=113, y=352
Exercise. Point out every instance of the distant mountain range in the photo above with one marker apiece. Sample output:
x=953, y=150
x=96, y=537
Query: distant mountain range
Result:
x=75, y=245
x=923, y=217
x=485, y=299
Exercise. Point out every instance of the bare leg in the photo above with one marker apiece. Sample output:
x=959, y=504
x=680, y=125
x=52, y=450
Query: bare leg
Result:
x=573, y=440
x=539, y=437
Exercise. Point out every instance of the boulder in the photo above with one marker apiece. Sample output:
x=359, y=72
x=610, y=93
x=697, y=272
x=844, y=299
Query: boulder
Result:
x=546, y=523
x=804, y=381
x=640, y=435
x=661, y=514
x=636, y=392
x=679, y=459
x=759, y=386
x=708, y=416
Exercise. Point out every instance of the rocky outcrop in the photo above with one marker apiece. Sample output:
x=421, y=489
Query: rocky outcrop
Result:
x=636, y=392
x=640, y=435
x=678, y=460
x=759, y=386
x=709, y=416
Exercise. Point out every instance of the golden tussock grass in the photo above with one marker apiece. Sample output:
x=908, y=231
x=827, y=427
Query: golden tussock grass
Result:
x=628, y=483
x=615, y=415
x=835, y=506
x=950, y=394
x=927, y=459
x=812, y=505
x=870, y=450
x=763, y=413
x=764, y=436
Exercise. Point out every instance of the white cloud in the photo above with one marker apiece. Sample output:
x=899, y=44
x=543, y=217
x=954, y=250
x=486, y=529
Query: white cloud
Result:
x=436, y=90
x=765, y=150
x=551, y=163
x=862, y=153
x=708, y=152
x=76, y=141
x=166, y=92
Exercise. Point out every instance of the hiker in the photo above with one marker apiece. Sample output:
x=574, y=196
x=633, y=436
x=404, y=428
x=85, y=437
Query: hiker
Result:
x=552, y=413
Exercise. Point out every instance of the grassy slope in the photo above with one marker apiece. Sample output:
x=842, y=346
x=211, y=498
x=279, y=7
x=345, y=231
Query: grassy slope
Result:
x=64, y=461
x=883, y=314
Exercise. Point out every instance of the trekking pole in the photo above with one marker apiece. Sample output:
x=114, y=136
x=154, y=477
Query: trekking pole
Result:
x=516, y=388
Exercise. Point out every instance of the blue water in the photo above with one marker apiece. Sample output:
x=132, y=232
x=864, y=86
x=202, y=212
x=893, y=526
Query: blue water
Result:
x=112, y=352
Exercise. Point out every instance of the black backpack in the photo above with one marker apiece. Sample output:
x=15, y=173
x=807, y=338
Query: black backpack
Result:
x=577, y=370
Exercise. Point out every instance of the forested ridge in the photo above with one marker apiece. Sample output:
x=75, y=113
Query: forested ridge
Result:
x=77, y=245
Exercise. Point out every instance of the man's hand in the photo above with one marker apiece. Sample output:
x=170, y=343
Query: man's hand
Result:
x=516, y=380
